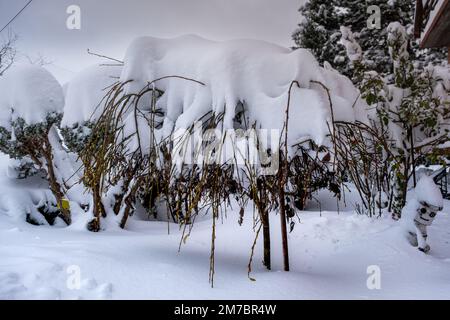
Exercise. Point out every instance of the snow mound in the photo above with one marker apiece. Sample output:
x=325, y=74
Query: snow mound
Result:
x=427, y=191
x=85, y=94
x=29, y=92
x=256, y=73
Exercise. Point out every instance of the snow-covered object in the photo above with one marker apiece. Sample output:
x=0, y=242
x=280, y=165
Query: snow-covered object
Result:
x=398, y=43
x=396, y=97
x=397, y=34
x=427, y=191
x=29, y=92
x=342, y=92
x=442, y=74
x=257, y=73
x=354, y=51
x=85, y=94
x=420, y=212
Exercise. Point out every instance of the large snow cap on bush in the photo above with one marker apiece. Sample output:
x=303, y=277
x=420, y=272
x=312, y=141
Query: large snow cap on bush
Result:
x=85, y=94
x=256, y=73
x=29, y=92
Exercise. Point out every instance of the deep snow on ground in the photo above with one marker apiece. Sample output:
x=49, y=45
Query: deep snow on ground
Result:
x=329, y=253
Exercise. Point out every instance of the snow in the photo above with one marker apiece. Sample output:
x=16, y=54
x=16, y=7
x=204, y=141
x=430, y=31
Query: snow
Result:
x=29, y=92
x=397, y=32
x=85, y=94
x=330, y=254
x=341, y=11
x=427, y=191
x=342, y=87
x=442, y=89
x=254, y=72
x=218, y=76
x=67, y=171
x=354, y=51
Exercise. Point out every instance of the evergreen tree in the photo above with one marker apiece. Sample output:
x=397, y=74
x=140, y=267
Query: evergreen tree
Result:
x=320, y=33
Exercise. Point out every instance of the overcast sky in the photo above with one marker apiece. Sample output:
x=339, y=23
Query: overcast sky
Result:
x=107, y=26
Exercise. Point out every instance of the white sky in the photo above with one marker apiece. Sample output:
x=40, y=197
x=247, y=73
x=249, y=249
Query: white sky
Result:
x=108, y=26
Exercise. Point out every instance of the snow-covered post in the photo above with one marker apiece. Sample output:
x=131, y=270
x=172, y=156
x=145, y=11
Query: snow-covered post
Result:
x=420, y=212
x=31, y=105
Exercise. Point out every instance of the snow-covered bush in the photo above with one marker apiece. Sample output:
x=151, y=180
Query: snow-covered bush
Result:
x=31, y=105
x=173, y=91
x=95, y=128
x=271, y=87
x=411, y=106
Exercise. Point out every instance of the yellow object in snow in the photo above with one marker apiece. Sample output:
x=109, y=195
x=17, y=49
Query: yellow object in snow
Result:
x=65, y=204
